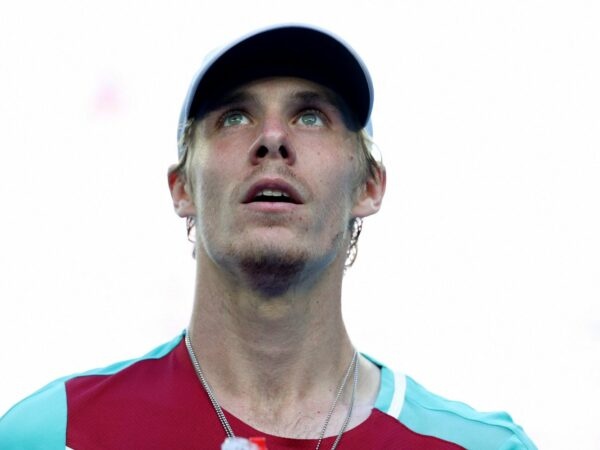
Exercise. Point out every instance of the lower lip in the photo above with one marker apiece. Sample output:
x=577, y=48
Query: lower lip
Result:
x=271, y=207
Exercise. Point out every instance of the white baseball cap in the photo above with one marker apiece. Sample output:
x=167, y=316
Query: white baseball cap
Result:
x=282, y=50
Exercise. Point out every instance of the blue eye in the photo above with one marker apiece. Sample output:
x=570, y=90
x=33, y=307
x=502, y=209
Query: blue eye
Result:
x=234, y=118
x=311, y=119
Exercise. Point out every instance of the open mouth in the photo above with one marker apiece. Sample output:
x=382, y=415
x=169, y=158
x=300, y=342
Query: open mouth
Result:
x=273, y=192
x=273, y=195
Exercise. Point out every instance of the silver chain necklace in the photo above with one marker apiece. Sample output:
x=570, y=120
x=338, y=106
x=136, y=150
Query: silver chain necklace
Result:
x=227, y=427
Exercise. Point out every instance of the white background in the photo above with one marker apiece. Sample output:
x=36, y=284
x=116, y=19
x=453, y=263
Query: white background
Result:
x=480, y=276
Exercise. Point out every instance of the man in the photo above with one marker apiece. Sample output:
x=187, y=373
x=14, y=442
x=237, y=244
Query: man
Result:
x=274, y=178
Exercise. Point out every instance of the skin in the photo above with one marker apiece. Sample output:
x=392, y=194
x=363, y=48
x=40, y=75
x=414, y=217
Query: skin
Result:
x=267, y=324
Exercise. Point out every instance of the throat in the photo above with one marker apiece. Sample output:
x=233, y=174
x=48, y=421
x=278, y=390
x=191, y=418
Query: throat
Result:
x=315, y=414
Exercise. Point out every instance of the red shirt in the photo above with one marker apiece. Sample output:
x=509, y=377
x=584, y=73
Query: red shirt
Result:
x=160, y=404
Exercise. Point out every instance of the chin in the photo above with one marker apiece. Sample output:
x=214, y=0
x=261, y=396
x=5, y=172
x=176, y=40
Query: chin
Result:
x=272, y=267
x=272, y=272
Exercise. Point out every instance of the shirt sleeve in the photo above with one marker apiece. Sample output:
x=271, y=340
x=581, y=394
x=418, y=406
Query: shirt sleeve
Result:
x=38, y=422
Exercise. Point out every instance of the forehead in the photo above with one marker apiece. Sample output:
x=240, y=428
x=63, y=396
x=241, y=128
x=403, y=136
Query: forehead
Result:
x=286, y=87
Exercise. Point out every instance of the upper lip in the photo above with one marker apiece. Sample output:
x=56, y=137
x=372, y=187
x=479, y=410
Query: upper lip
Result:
x=273, y=185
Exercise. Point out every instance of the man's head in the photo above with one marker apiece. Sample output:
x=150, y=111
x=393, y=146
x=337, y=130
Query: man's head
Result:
x=288, y=51
x=273, y=149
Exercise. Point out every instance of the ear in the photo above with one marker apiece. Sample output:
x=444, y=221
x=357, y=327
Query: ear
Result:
x=370, y=197
x=182, y=200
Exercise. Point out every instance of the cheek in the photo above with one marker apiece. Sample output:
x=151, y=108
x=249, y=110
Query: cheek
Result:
x=344, y=175
x=212, y=168
x=210, y=189
x=205, y=184
x=338, y=191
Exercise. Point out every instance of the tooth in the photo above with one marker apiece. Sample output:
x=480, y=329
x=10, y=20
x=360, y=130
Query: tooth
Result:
x=270, y=193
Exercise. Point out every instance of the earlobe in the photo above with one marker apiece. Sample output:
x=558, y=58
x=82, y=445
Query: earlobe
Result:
x=182, y=200
x=369, y=200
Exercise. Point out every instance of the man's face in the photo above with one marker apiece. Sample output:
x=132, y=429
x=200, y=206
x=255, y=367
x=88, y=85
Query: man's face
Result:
x=274, y=177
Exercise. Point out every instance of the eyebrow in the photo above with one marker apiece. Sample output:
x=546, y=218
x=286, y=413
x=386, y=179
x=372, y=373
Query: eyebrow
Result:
x=308, y=96
x=232, y=98
x=314, y=96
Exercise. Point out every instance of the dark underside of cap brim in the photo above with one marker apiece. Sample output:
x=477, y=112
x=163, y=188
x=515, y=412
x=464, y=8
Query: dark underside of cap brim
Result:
x=298, y=52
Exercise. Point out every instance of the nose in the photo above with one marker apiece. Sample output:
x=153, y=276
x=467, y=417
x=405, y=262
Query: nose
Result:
x=273, y=143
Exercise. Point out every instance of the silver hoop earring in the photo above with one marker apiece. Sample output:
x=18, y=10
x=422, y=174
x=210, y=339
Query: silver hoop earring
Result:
x=190, y=225
x=357, y=224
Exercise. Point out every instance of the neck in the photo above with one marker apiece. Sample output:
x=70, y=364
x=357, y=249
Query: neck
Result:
x=273, y=357
x=270, y=343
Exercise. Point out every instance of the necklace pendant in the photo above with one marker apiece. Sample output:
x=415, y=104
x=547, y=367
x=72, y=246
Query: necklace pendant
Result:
x=237, y=443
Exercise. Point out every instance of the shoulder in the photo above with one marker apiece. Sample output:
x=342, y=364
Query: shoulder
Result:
x=429, y=414
x=40, y=420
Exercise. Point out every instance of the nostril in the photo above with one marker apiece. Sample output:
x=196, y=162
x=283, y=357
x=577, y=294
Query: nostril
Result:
x=262, y=152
